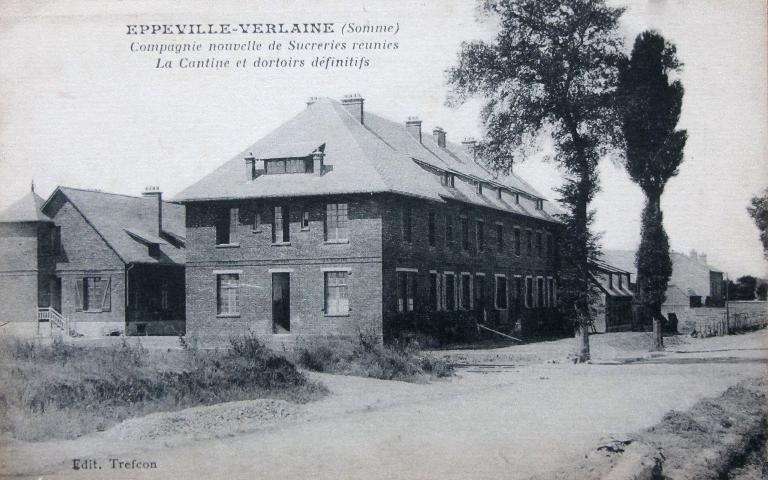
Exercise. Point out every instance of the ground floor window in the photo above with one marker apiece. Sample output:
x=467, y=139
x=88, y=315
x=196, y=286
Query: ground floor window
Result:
x=480, y=292
x=466, y=291
x=551, y=291
x=93, y=294
x=501, y=292
x=540, y=292
x=336, y=293
x=528, y=292
x=450, y=292
x=435, y=291
x=406, y=290
x=228, y=294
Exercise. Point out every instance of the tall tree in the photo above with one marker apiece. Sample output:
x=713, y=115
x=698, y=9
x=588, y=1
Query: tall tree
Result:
x=758, y=210
x=654, y=151
x=550, y=71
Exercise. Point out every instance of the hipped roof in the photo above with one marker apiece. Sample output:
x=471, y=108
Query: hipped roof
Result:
x=26, y=209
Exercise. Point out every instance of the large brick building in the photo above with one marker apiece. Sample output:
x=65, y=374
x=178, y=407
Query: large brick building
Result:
x=92, y=263
x=341, y=222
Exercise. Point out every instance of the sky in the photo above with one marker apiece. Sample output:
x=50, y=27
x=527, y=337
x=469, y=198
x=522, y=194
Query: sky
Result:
x=78, y=108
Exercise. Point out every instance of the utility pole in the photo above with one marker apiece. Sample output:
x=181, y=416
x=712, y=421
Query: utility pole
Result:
x=727, y=310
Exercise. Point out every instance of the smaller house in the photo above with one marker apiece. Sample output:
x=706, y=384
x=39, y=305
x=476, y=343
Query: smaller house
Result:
x=93, y=263
x=614, y=307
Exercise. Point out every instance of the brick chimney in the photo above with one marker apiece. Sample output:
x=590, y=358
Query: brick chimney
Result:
x=311, y=101
x=693, y=255
x=703, y=258
x=157, y=205
x=439, y=135
x=470, y=145
x=354, y=105
x=318, y=157
x=413, y=126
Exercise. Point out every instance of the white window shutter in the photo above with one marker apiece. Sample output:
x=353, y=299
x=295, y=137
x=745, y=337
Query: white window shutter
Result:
x=106, y=301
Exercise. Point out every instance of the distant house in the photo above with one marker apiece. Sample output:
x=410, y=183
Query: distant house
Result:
x=341, y=221
x=614, y=305
x=104, y=263
x=694, y=283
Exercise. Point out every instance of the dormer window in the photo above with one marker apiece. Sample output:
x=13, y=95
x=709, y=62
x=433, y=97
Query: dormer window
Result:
x=288, y=165
x=479, y=188
x=448, y=179
x=539, y=204
x=498, y=193
x=517, y=199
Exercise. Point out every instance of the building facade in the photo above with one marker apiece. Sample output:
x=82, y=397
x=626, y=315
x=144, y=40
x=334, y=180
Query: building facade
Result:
x=341, y=222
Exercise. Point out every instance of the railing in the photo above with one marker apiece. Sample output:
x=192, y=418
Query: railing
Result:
x=56, y=319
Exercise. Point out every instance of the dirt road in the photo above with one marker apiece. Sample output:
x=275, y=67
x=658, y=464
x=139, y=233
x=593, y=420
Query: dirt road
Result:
x=508, y=422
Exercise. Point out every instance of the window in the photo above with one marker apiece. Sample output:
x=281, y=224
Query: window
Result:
x=228, y=294
x=528, y=292
x=539, y=244
x=517, y=241
x=500, y=237
x=305, y=219
x=517, y=291
x=288, y=165
x=223, y=226
x=465, y=233
x=480, y=292
x=529, y=243
x=498, y=193
x=517, y=199
x=550, y=245
x=539, y=204
x=448, y=231
x=336, y=222
x=447, y=179
x=621, y=282
x=54, y=240
x=551, y=291
x=431, y=228
x=610, y=282
x=164, y=296
x=281, y=225
x=479, y=188
x=450, y=292
x=434, y=290
x=480, y=235
x=92, y=294
x=501, y=292
x=407, y=224
x=466, y=291
x=336, y=293
x=406, y=290
x=256, y=219
x=540, y=292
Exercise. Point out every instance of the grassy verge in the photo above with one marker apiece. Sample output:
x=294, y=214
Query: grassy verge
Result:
x=62, y=391
x=365, y=357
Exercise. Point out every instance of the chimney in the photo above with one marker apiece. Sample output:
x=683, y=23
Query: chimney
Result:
x=703, y=258
x=470, y=145
x=354, y=105
x=439, y=134
x=413, y=126
x=311, y=101
x=693, y=255
x=157, y=206
x=250, y=168
x=317, y=161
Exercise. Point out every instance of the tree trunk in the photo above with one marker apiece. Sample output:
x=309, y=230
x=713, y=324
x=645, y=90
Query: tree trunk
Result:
x=658, y=334
x=582, y=343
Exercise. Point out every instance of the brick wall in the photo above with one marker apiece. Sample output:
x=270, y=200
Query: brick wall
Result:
x=254, y=255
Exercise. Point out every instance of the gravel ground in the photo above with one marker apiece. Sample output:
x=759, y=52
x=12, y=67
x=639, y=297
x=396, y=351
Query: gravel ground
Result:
x=220, y=420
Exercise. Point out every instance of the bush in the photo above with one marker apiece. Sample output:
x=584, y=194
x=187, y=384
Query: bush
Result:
x=366, y=357
x=62, y=391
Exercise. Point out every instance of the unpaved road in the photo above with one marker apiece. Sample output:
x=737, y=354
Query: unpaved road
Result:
x=506, y=423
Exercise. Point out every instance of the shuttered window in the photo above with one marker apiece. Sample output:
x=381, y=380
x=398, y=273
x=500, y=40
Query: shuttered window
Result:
x=93, y=294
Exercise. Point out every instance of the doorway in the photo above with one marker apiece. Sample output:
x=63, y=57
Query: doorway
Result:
x=281, y=302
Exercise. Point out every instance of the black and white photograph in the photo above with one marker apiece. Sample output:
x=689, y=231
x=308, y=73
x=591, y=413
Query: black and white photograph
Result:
x=338, y=239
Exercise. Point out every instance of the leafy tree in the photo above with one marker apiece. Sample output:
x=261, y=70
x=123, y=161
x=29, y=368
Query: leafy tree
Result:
x=758, y=209
x=654, y=151
x=762, y=291
x=745, y=288
x=550, y=71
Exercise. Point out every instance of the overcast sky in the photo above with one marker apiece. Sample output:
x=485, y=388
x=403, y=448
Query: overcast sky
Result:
x=77, y=108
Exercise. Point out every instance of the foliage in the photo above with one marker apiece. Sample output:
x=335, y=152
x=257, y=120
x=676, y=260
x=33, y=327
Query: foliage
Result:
x=746, y=288
x=651, y=106
x=63, y=391
x=440, y=327
x=550, y=71
x=758, y=210
x=366, y=357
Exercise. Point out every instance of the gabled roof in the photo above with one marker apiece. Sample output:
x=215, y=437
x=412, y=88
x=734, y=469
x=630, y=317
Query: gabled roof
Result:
x=600, y=272
x=26, y=209
x=125, y=223
x=375, y=157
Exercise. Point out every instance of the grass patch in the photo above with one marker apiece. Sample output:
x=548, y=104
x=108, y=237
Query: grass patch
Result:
x=63, y=391
x=366, y=357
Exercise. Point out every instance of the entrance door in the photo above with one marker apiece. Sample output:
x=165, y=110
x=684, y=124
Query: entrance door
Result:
x=55, y=286
x=281, y=302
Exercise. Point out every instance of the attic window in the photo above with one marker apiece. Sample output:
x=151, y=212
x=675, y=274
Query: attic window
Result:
x=498, y=193
x=448, y=179
x=289, y=165
x=517, y=199
x=539, y=204
x=479, y=188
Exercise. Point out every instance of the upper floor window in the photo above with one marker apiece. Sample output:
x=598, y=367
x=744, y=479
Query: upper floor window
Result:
x=281, y=225
x=305, y=219
x=288, y=165
x=539, y=244
x=336, y=222
x=517, y=241
x=479, y=188
x=447, y=180
x=480, y=235
x=449, y=230
x=498, y=193
x=550, y=245
x=539, y=204
x=529, y=242
x=226, y=222
x=500, y=236
x=517, y=199
x=465, y=233
x=408, y=224
x=431, y=228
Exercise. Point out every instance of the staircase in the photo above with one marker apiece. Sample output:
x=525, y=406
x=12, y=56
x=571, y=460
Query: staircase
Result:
x=57, y=322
